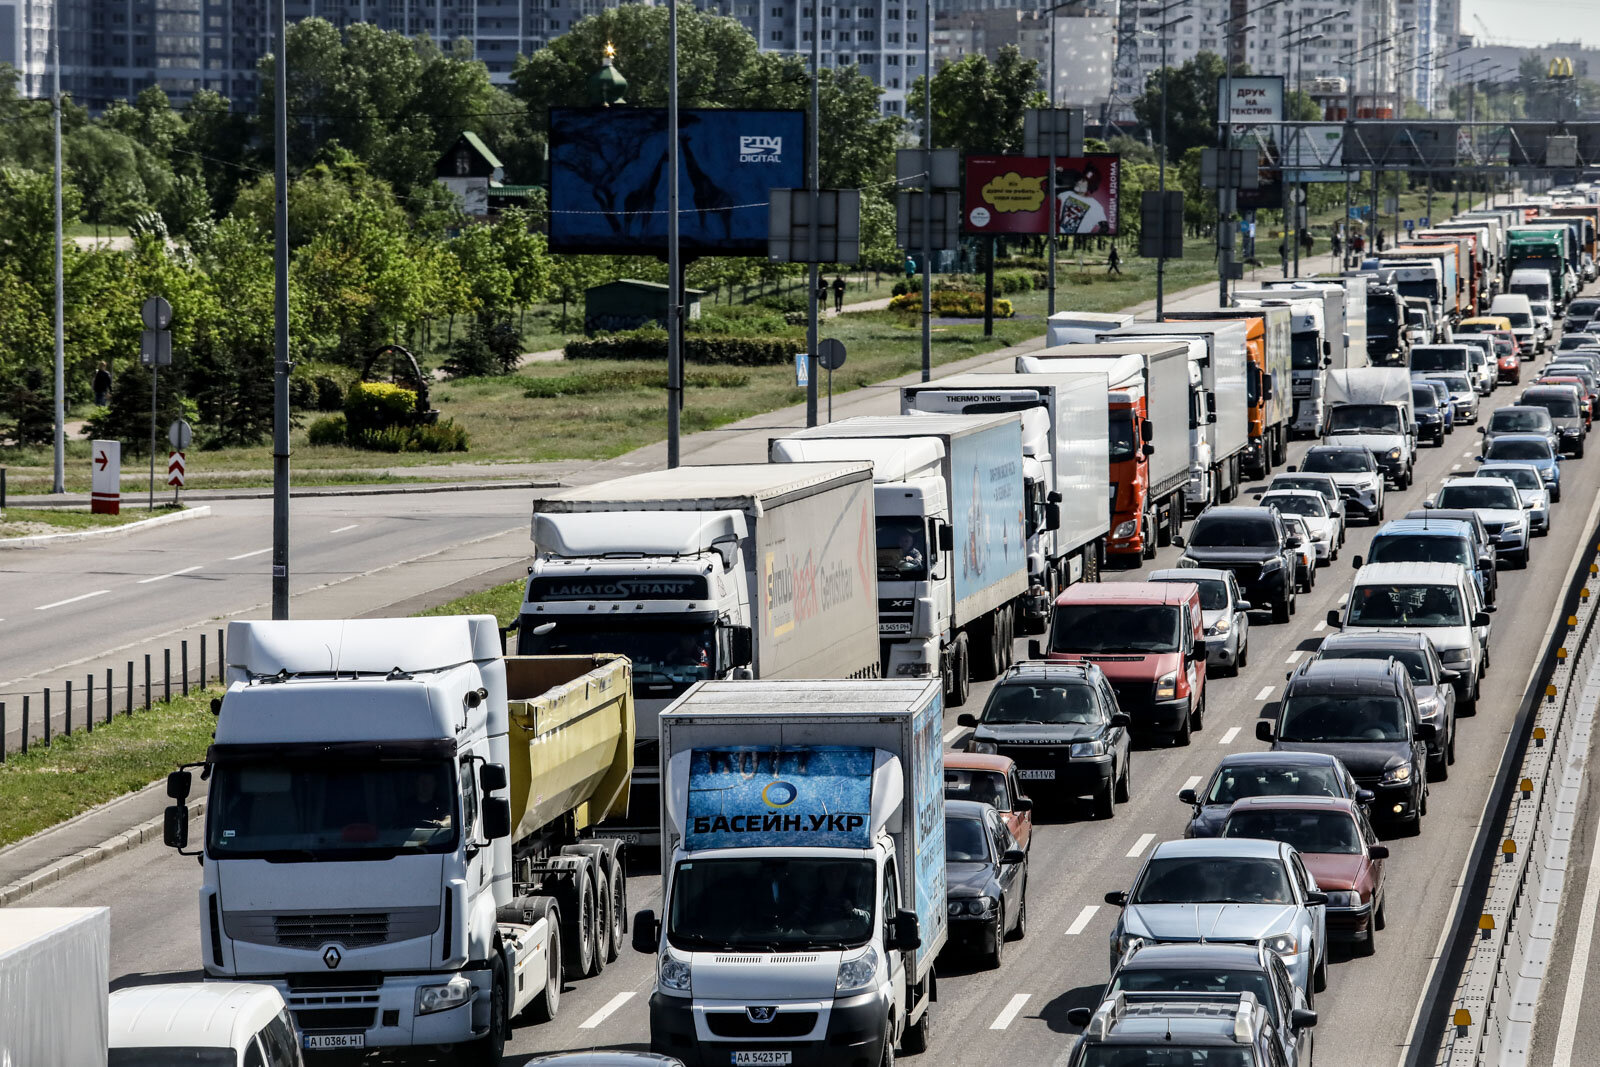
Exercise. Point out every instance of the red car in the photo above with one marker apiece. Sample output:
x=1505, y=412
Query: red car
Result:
x=991, y=780
x=1339, y=848
x=1508, y=361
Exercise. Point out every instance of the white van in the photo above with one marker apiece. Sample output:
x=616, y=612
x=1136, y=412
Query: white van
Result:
x=1533, y=284
x=1519, y=309
x=204, y=1024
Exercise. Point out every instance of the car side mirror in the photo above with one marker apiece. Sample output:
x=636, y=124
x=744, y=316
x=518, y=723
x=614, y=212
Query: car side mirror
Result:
x=905, y=934
x=646, y=932
x=1482, y=429
x=1293, y=467
x=1178, y=540
x=1480, y=618
x=1241, y=605
x=1428, y=504
x=1449, y=677
x=1365, y=796
x=1333, y=617
x=1198, y=652
x=1117, y=898
x=1022, y=804
x=1011, y=856
x=496, y=818
x=1121, y=720
x=1378, y=852
x=1079, y=1016
x=966, y=719
x=1189, y=796
x=741, y=645
x=1426, y=731
x=491, y=777
x=1316, y=898
x=1302, y=1019
x=1413, y=430
x=1292, y=542
x=1036, y=649
x=1263, y=730
x=1355, y=561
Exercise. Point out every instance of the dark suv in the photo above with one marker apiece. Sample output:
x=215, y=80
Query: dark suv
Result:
x=1255, y=545
x=1171, y=1028
x=1365, y=713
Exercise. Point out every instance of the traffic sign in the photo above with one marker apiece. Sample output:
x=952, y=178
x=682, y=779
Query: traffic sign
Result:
x=175, y=469
x=105, y=477
x=156, y=313
x=830, y=354
x=802, y=370
x=179, y=434
x=1410, y=225
x=155, y=348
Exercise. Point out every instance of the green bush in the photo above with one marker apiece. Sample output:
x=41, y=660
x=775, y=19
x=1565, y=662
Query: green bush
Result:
x=736, y=319
x=328, y=430
x=650, y=344
x=442, y=436
x=378, y=406
x=487, y=348
x=953, y=303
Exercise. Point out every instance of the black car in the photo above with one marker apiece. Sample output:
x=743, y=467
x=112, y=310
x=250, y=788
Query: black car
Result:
x=1061, y=726
x=1266, y=774
x=986, y=880
x=1365, y=713
x=1430, y=416
x=1255, y=545
x=1432, y=681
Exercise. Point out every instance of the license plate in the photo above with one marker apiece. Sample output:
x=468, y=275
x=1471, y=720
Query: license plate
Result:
x=327, y=1041
x=627, y=837
x=893, y=628
x=762, y=1056
x=1047, y=775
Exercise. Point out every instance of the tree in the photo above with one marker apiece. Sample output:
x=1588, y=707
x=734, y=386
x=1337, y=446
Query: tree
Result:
x=978, y=105
x=855, y=140
x=1191, y=103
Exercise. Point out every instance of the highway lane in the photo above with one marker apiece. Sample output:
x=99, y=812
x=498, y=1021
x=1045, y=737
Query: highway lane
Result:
x=1076, y=859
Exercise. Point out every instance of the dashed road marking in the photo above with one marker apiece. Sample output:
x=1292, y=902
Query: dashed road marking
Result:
x=1192, y=782
x=1265, y=694
x=247, y=555
x=1140, y=845
x=71, y=600
x=169, y=574
x=951, y=734
x=1455, y=466
x=605, y=1011
x=1010, y=1011
x=342, y=529
x=1319, y=627
x=1085, y=917
x=1293, y=656
x=1227, y=738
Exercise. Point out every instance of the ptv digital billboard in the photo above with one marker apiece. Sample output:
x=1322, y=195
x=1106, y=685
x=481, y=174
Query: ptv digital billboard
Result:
x=1007, y=194
x=608, y=180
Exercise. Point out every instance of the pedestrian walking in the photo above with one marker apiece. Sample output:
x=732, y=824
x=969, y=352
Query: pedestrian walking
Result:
x=1336, y=244
x=102, y=385
x=911, y=268
x=1358, y=244
x=822, y=293
x=1283, y=248
x=1380, y=239
x=1114, y=261
x=838, y=292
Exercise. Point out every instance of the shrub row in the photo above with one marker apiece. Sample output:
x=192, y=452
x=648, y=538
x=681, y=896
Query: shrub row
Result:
x=442, y=436
x=651, y=344
x=953, y=303
x=1005, y=281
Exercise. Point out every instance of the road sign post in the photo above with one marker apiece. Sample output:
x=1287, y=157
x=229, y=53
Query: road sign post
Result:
x=179, y=435
x=175, y=473
x=105, y=477
x=830, y=355
x=155, y=352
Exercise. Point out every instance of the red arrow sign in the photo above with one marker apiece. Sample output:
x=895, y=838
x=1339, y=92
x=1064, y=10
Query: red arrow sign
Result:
x=175, y=469
x=101, y=460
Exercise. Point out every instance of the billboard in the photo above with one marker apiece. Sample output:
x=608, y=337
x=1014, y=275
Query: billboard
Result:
x=819, y=796
x=1250, y=100
x=608, y=182
x=1007, y=194
x=1315, y=154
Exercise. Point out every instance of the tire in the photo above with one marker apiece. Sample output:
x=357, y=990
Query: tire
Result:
x=1104, y=808
x=1439, y=770
x=1020, y=931
x=1125, y=784
x=919, y=1035
x=1280, y=611
x=1181, y=738
x=1319, y=975
x=958, y=686
x=1149, y=550
x=1368, y=945
x=1244, y=655
x=992, y=960
x=983, y=647
x=548, y=1002
x=613, y=906
x=1197, y=717
x=1450, y=746
x=1555, y=495
x=578, y=936
x=887, y=1059
x=603, y=950
x=1380, y=918
x=490, y=1049
x=1165, y=524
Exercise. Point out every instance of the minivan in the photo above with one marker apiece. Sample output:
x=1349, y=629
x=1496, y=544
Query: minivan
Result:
x=1533, y=284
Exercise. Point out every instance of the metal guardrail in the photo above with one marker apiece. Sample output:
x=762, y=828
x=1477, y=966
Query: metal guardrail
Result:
x=1478, y=1010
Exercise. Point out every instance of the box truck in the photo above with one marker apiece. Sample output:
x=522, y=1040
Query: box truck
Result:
x=745, y=570
x=396, y=832
x=1311, y=359
x=1370, y=407
x=1269, y=343
x=803, y=873
x=950, y=517
x=55, y=966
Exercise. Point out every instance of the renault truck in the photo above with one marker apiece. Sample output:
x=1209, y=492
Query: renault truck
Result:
x=803, y=873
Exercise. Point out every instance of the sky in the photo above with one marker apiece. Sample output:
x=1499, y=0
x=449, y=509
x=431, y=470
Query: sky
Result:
x=1529, y=22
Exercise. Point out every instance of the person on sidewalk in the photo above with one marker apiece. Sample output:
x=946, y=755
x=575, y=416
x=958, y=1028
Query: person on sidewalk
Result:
x=1114, y=261
x=822, y=294
x=1335, y=244
x=102, y=385
x=838, y=293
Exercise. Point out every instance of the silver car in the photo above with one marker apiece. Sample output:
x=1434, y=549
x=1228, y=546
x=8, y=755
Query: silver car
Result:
x=1463, y=397
x=1312, y=509
x=1502, y=510
x=1224, y=612
x=1530, y=487
x=1320, y=483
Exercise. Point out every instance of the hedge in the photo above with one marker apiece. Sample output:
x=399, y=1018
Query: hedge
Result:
x=1005, y=281
x=377, y=406
x=953, y=303
x=703, y=348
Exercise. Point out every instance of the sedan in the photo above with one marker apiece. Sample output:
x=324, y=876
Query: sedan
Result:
x=1535, y=449
x=986, y=880
x=1223, y=610
x=1530, y=487
x=1311, y=508
x=991, y=780
x=1233, y=890
x=1501, y=508
x=1266, y=774
x=1305, y=564
x=1339, y=848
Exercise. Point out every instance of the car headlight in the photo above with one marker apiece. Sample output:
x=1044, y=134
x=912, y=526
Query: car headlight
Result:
x=1186, y=562
x=1341, y=899
x=1271, y=565
x=1089, y=748
x=982, y=907
x=1397, y=775
x=673, y=973
x=453, y=994
x=1221, y=626
x=1456, y=657
x=857, y=975
x=1284, y=944
x=1394, y=453
x=1167, y=686
x=1125, y=529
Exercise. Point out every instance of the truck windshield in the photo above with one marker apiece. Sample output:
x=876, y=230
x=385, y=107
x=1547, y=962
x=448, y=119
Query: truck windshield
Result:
x=1418, y=288
x=319, y=809
x=664, y=649
x=1385, y=315
x=172, y=1056
x=1305, y=351
x=1559, y=406
x=1548, y=263
x=1406, y=605
x=1114, y=628
x=772, y=903
x=1364, y=418
x=1349, y=718
x=902, y=549
x=1122, y=436
x=1164, y=1055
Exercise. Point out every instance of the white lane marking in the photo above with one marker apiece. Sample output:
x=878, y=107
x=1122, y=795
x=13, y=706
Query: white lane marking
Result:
x=1227, y=738
x=1009, y=1012
x=71, y=600
x=1344, y=600
x=247, y=555
x=1572, y=1003
x=1085, y=917
x=1192, y=782
x=605, y=1011
x=1319, y=627
x=950, y=734
x=169, y=574
x=1265, y=694
x=342, y=529
x=1466, y=455
x=1296, y=654
x=1140, y=845
x=1455, y=466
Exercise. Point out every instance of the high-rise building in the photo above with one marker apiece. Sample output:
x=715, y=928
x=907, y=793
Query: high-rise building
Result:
x=1084, y=46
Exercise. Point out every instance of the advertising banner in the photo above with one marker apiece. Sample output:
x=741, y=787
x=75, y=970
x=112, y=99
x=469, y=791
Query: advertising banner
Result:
x=987, y=506
x=927, y=773
x=744, y=797
x=1250, y=100
x=608, y=181
x=1007, y=194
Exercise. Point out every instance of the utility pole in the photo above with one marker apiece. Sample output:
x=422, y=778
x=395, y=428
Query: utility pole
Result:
x=1055, y=225
x=813, y=170
x=675, y=259
x=280, y=302
x=1224, y=218
x=58, y=484
x=927, y=190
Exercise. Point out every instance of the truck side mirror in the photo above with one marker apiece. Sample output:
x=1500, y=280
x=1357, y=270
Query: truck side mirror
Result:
x=179, y=784
x=491, y=777
x=947, y=537
x=1267, y=391
x=727, y=546
x=1036, y=649
x=1263, y=730
x=741, y=645
x=1052, y=516
x=1149, y=449
x=905, y=934
x=496, y=818
x=1147, y=431
x=175, y=826
x=646, y=932
x=1327, y=348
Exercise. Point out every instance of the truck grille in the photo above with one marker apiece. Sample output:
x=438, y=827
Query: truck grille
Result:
x=1042, y=757
x=783, y=1024
x=311, y=930
x=335, y=1018
x=1133, y=694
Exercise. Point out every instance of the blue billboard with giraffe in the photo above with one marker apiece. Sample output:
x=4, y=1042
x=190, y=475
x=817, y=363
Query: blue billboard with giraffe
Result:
x=608, y=178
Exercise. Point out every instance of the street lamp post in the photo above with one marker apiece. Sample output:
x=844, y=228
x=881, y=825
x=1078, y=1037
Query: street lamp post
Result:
x=1054, y=224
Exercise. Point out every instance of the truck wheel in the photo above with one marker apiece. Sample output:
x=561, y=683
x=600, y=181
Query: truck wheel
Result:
x=1165, y=524
x=613, y=899
x=919, y=1035
x=1181, y=738
x=490, y=1049
x=958, y=685
x=543, y=1008
x=602, y=923
x=579, y=931
x=1149, y=550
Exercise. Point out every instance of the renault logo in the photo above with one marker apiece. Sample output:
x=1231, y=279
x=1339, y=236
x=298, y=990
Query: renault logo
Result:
x=332, y=956
x=763, y=1013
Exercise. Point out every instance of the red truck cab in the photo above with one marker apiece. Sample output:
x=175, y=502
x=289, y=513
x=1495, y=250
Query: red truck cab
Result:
x=1148, y=639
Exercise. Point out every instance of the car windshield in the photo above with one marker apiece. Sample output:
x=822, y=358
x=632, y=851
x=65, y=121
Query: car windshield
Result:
x=1223, y=531
x=1510, y=420
x=1308, y=831
x=1314, y=485
x=1338, y=461
x=986, y=787
x=1423, y=398
x=1582, y=309
x=1192, y=981
x=171, y=1056
x=1115, y=628
x=1521, y=477
x=1213, y=593
x=1213, y=880
x=1421, y=548
x=1467, y=497
x=1165, y=1054
x=289, y=809
x=1540, y=309
x=1500, y=448
x=771, y=902
x=1053, y=702
x=1414, y=659
x=1121, y=430
x=1406, y=605
x=1305, y=351
x=1298, y=504
x=902, y=549
x=1238, y=781
x=1343, y=718
x=965, y=840
x=667, y=651
x=1437, y=359
x=1364, y=418
x=1456, y=383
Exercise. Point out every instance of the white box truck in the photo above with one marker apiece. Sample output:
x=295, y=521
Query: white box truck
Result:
x=1370, y=407
x=1310, y=358
x=1080, y=327
x=55, y=970
x=1065, y=449
x=951, y=546
x=745, y=570
x=803, y=873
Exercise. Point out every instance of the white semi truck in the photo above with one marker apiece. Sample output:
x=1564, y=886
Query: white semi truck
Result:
x=1310, y=359
x=738, y=571
x=950, y=540
x=396, y=832
x=803, y=873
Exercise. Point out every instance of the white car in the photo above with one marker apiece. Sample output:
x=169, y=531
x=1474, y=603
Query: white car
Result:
x=1543, y=317
x=1499, y=505
x=1463, y=397
x=1305, y=553
x=1530, y=487
x=1320, y=483
x=1311, y=508
x=232, y=1023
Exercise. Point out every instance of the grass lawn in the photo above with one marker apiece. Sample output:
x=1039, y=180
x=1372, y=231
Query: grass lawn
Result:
x=25, y=522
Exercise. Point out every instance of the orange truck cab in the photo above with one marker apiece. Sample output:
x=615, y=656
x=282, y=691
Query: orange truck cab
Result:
x=1149, y=640
x=1269, y=343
